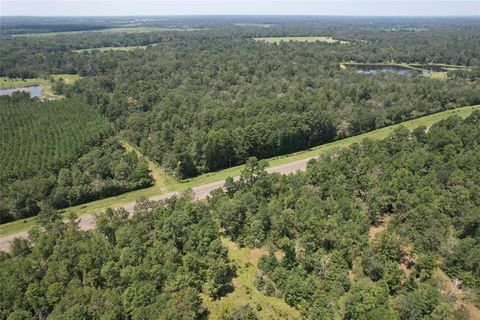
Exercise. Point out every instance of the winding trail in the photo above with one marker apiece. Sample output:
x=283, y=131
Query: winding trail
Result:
x=87, y=222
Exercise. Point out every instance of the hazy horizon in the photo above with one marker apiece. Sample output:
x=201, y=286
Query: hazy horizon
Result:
x=385, y=8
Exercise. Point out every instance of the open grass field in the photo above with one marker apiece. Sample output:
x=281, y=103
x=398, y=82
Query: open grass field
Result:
x=246, y=259
x=68, y=78
x=9, y=83
x=439, y=75
x=47, y=93
x=299, y=39
x=441, y=65
x=169, y=183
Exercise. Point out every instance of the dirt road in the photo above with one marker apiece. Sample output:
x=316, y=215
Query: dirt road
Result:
x=201, y=192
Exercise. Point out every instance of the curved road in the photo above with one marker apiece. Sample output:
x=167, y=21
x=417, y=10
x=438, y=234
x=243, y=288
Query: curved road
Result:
x=87, y=222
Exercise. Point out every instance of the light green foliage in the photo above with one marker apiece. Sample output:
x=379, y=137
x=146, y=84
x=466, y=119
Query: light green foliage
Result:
x=368, y=300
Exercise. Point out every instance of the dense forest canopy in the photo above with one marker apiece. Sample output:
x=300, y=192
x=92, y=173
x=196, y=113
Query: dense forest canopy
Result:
x=379, y=230
x=208, y=98
x=200, y=101
x=156, y=264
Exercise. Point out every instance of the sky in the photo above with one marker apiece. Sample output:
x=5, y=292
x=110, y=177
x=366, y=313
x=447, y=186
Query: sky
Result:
x=239, y=7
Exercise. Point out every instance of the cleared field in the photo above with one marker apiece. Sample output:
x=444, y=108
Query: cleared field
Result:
x=300, y=39
x=245, y=292
x=9, y=83
x=440, y=75
x=170, y=184
x=68, y=78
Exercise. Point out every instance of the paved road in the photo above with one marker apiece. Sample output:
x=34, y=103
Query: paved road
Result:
x=201, y=192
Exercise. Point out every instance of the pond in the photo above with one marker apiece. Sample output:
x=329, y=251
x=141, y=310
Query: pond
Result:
x=34, y=91
x=370, y=69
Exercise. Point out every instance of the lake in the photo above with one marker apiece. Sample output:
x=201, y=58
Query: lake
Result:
x=34, y=91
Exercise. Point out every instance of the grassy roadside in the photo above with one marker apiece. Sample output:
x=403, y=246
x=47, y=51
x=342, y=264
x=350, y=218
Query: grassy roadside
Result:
x=168, y=183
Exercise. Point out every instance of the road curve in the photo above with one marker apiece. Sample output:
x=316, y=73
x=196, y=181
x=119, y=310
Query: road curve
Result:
x=87, y=222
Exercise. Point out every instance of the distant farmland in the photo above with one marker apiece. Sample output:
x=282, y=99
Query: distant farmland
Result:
x=109, y=30
x=300, y=39
x=127, y=48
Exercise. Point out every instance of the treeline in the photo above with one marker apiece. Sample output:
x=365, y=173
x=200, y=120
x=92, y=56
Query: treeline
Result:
x=156, y=264
x=60, y=153
x=471, y=74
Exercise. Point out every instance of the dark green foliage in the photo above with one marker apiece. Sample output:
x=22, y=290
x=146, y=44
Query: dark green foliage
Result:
x=39, y=137
x=149, y=267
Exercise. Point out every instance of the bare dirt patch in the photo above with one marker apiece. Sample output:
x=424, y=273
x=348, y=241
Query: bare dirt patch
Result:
x=454, y=290
x=382, y=225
